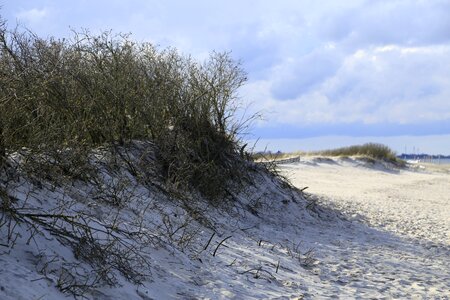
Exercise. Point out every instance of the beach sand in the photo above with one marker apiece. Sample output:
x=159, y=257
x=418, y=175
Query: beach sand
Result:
x=406, y=247
x=413, y=203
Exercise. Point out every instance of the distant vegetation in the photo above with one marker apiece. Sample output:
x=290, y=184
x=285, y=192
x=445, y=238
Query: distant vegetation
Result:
x=64, y=97
x=371, y=150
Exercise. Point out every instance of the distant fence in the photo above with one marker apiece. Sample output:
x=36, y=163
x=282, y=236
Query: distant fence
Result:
x=288, y=160
x=281, y=161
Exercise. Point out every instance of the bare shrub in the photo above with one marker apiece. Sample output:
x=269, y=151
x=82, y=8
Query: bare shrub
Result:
x=63, y=98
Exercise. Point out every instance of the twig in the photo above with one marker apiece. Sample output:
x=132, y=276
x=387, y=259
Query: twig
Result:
x=250, y=270
x=244, y=229
x=209, y=241
x=215, y=251
x=232, y=263
x=33, y=280
x=258, y=271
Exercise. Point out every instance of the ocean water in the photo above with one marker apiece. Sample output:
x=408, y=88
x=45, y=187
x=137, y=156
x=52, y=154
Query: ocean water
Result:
x=442, y=161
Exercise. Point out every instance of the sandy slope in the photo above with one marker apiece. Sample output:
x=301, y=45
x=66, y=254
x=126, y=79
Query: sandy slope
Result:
x=406, y=248
x=363, y=233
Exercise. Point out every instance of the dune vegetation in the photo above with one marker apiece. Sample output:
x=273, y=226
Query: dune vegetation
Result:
x=61, y=98
x=369, y=150
x=95, y=132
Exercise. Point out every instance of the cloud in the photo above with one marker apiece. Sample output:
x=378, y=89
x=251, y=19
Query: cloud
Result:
x=378, y=85
x=298, y=76
x=389, y=22
x=373, y=63
x=398, y=84
x=33, y=15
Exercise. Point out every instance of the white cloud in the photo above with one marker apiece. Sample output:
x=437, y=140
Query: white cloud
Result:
x=297, y=76
x=33, y=15
x=391, y=84
x=411, y=22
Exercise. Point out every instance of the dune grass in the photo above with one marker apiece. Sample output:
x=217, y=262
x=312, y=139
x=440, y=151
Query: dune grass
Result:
x=370, y=150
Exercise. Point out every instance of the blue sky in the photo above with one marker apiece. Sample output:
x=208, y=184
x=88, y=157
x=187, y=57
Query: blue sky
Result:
x=316, y=68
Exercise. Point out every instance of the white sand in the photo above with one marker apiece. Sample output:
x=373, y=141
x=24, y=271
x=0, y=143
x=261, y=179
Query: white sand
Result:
x=408, y=250
x=409, y=203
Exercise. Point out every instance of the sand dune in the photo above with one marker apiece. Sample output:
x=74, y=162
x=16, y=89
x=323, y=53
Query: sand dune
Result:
x=363, y=230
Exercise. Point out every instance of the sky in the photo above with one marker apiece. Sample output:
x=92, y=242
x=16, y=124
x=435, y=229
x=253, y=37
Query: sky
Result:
x=370, y=69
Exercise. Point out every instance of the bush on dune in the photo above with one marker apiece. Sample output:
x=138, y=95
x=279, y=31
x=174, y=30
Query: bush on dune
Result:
x=371, y=150
x=95, y=90
x=112, y=112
